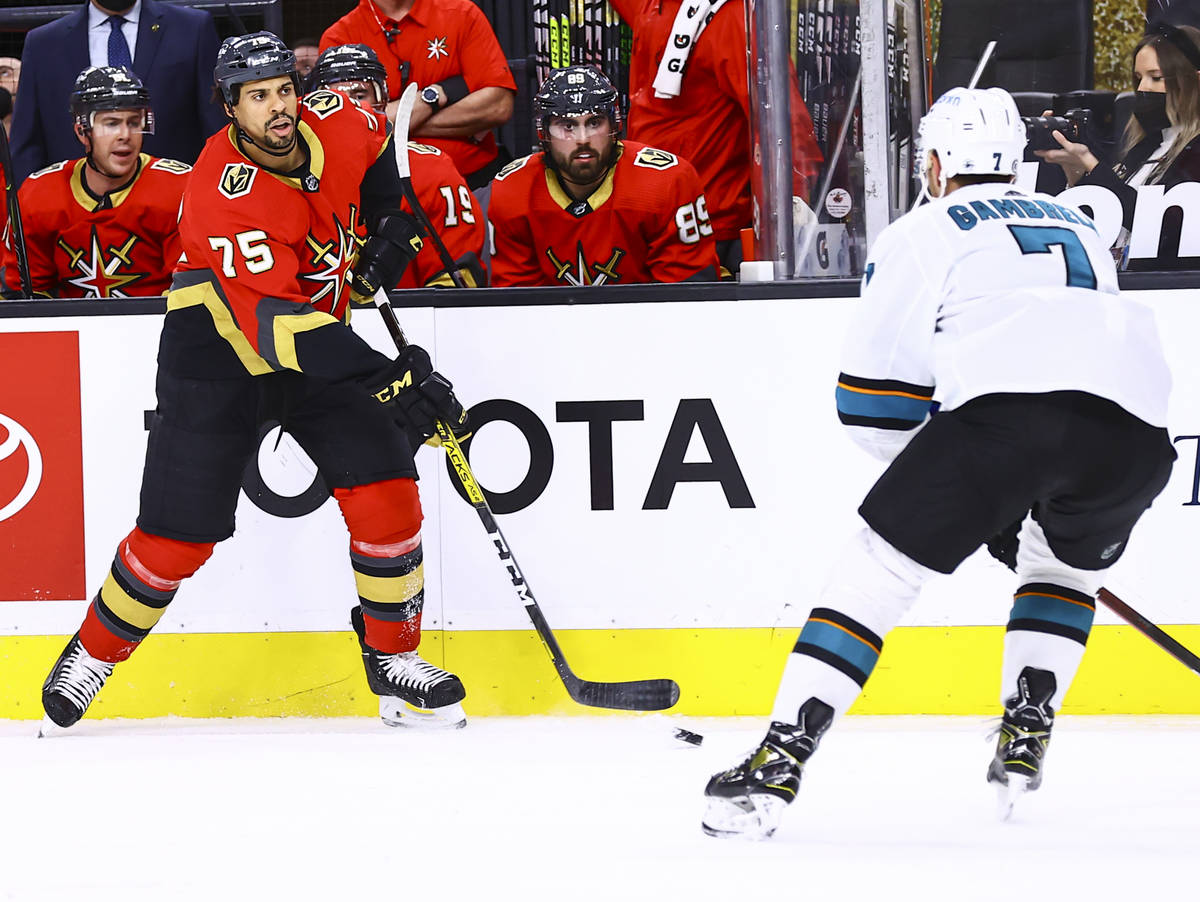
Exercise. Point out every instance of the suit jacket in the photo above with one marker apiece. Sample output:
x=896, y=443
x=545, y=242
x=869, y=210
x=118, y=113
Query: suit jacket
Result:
x=175, y=55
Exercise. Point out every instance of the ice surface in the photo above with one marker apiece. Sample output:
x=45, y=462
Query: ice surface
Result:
x=583, y=808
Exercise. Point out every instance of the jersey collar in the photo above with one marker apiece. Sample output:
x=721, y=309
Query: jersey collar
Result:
x=316, y=154
x=89, y=201
x=594, y=200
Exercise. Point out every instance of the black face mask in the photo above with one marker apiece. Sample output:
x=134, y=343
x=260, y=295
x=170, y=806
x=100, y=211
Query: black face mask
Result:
x=1150, y=110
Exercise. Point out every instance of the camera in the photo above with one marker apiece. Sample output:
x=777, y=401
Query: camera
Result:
x=1073, y=124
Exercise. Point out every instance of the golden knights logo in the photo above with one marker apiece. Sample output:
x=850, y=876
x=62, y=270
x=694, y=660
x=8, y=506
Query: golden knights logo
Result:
x=331, y=260
x=99, y=268
x=597, y=273
x=237, y=179
x=173, y=166
x=324, y=103
x=653, y=158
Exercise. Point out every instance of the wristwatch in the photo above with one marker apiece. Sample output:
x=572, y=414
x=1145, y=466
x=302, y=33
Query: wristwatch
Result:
x=430, y=96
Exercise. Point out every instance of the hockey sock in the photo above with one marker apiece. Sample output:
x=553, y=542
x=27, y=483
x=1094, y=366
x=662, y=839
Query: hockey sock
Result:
x=384, y=519
x=145, y=574
x=871, y=587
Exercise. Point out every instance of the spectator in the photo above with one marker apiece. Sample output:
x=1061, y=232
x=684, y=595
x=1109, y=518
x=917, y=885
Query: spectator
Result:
x=591, y=209
x=172, y=49
x=354, y=70
x=306, y=56
x=1176, y=12
x=448, y=47
x=1161, y=145
x=702, y=114
x=104, y=226
x=10, y=75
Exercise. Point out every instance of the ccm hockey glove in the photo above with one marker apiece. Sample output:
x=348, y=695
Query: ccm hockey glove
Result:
x=420, y=396
x=392, y=245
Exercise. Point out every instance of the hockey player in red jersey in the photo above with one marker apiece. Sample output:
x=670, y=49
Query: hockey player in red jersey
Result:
x=256, y=327
x=355, y=70
x=105, y=225
x=591, y=209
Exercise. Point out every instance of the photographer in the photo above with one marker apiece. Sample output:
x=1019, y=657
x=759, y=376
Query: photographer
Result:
x=1160, y=145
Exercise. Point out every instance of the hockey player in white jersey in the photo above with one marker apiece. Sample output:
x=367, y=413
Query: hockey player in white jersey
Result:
x=1002, y=307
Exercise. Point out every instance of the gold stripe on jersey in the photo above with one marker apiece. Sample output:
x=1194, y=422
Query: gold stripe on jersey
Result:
x=206, y=294
x=596, y=198
x=285, y=328
x=316, y=163
x=86, y=200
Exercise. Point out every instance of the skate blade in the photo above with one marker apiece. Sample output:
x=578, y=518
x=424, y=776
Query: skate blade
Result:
x=48, y=728
x=755, y=819
x=396, y=712
x=1007, y=794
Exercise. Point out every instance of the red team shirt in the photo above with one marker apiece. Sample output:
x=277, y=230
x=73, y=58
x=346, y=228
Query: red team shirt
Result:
x=269, y=255
x=645, y=223
x=120, y=246
x=452, y=210
x=706, y=123
x=437, y=39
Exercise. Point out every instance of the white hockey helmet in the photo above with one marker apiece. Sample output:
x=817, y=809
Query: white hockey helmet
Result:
x=974, y=132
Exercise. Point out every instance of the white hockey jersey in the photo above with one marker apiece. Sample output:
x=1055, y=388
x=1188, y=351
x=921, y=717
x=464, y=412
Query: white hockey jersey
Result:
x=992, y=289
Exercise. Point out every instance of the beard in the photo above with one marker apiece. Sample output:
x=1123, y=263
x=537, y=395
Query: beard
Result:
x=584, y=172
x=273, y=141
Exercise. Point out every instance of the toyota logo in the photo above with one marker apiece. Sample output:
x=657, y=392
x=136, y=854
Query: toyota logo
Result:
x=19, y=436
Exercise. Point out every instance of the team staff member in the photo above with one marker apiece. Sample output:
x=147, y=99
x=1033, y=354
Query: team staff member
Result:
x=106, y=225
x=354, y=70
x=591, y=209
x=257, y=324
x=1053, y=391
x=688, y=83
x=449, y=49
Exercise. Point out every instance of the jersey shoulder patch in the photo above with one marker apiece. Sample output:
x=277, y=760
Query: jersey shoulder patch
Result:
x=324, y=103
x=512, y=167
x=237, y=179
x=175, y=167
x=414, y=147
x=653, y=158
x=53, y=167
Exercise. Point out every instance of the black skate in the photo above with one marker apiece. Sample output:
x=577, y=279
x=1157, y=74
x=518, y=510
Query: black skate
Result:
x=74, y=681
x=1024, y=736
x=412, y=692
x=749, y=800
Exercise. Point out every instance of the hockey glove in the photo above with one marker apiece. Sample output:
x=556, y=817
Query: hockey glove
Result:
x=393, y=244
x=421, y=396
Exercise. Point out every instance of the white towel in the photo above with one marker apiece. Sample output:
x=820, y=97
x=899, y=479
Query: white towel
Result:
x=690, y=21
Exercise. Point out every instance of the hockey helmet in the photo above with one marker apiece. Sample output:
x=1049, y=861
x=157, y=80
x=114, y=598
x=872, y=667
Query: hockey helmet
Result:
x=100, y=88
x=575, y=91
x=974, y=132
x=252, y=57
x=350, y=62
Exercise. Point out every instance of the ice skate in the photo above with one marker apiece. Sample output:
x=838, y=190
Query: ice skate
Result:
x=748, y=800
x=412, y=692
x=1024, y=736
x=74, y=681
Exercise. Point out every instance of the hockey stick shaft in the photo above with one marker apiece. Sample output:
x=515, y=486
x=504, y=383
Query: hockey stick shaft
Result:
x=1150, y=630
x=14, y=215
x=636, y=695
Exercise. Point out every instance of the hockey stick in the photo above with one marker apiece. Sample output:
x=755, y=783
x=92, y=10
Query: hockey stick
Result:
x=14, y=216
x=638, y=695
x=400, y=139
x=1152, y=632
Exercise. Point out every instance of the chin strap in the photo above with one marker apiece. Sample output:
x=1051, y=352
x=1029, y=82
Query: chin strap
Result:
x=242, y=136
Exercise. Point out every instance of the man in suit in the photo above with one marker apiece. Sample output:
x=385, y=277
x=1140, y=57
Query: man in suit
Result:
x=171, y=48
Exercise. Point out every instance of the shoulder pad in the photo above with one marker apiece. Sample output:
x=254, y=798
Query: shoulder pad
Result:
x=53, y=167
x=164, y=164
x=512, y=167
x=414, y=147
x=324, y=103
x=237, y=179
x=653, y=158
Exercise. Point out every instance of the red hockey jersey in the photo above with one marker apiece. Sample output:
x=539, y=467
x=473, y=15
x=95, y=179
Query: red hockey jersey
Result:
x=452, y=210
x=122, y=245
x=269, y=255
x=647, y=222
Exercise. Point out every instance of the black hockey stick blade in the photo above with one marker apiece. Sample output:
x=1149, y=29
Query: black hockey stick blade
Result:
x=1150, y=630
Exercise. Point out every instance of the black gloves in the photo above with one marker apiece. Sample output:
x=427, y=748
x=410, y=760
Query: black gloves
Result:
x=391, y=246
x=420, y=395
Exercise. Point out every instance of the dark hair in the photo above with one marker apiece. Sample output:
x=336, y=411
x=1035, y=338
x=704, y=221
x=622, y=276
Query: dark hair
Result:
x=1183, y=92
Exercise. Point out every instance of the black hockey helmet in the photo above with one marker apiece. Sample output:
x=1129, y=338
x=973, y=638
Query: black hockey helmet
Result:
x=100, y=88
x=575, y=91
x=252, y=57
x=350, y=62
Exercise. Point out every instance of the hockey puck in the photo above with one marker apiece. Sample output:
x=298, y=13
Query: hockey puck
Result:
x=688, y=736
